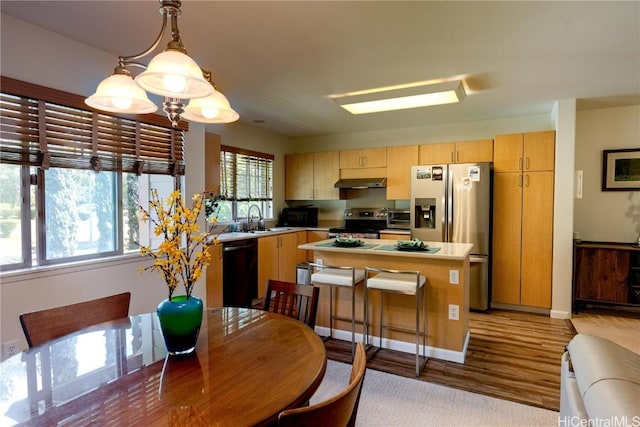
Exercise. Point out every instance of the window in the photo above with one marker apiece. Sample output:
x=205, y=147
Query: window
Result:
x=246, y=178
x=71, y=179
x=15, y=232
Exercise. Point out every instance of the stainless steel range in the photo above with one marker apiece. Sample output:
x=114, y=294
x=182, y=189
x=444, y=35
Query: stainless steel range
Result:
x=364, y=223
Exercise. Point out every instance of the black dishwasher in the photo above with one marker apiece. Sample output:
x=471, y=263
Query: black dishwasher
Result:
x=239, y=272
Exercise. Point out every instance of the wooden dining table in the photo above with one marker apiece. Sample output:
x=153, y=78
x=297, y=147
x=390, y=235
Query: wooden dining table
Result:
x=248, y=366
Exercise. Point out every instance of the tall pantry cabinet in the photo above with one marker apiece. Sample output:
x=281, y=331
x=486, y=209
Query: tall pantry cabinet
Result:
x=523, y=219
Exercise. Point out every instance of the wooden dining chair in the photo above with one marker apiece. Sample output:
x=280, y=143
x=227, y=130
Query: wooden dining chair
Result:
x=338, y=411
x=292, y=300
x=44, y=325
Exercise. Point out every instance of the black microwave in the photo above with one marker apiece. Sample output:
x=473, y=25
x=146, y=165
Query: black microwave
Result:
x=303, y=216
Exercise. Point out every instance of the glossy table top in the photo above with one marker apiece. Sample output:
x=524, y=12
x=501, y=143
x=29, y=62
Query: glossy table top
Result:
x=248, y=366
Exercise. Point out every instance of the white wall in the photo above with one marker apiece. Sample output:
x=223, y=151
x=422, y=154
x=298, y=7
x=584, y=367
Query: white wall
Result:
x=605, y=216
x=565, y=123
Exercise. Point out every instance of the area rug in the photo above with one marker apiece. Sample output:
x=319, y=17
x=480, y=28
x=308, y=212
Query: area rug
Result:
x=391, y=400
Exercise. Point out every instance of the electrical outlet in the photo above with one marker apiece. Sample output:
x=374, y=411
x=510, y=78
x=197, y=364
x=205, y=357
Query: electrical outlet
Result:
x=454, y=277
x=10, y=348
x=454, y=312
x=319, y=261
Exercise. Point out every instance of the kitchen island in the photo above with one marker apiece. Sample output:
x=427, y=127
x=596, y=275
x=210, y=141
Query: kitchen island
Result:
x=447, y=338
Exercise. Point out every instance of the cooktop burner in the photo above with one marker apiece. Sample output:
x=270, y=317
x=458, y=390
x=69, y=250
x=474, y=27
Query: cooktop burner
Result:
x=361, y=222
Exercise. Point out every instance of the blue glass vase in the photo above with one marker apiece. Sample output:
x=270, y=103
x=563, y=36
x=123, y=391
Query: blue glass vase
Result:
x=180, y=321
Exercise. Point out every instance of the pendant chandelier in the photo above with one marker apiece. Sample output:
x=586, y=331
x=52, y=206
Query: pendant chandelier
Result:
x=172, y=74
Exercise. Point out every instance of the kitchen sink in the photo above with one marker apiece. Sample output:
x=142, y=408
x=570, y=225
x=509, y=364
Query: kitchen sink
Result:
x=280, y=228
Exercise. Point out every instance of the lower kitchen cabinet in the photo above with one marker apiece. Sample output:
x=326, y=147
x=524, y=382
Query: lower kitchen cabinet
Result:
x=213, y=280
x=607, y=273
x=278, y=257
x=315, y=236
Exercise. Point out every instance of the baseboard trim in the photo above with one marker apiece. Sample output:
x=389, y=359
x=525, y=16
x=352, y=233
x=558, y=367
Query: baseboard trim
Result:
x=524, y=308
x=560, y=314
x=403, y=346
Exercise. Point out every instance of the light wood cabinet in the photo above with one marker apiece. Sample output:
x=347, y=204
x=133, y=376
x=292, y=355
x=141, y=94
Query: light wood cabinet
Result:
x=456, y=152
x=326, y=172
x=534, y=151
x=278, y=257
x=394, y=236
x=363, y=158
x=315, y=236
x=400, y=159
x=537, y=239
x=311, y=176
x=522, y=235
x=213, y=277
x=299, y=176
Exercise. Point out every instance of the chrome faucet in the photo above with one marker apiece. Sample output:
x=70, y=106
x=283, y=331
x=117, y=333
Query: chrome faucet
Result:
x=250, y=218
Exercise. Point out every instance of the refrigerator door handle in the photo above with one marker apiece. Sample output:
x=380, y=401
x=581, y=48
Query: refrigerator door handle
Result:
x=450, y=201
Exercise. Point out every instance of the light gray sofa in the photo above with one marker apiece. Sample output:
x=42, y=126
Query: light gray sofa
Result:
x=600, y=382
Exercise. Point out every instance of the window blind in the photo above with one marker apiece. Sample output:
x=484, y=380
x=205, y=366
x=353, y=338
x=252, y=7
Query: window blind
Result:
x=245, y=175
x=42, y=133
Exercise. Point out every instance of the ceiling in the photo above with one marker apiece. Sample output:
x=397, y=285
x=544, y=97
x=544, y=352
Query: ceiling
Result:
x=277, y=62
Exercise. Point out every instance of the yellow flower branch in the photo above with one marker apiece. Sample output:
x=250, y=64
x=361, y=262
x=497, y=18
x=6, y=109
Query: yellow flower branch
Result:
x=183, y=253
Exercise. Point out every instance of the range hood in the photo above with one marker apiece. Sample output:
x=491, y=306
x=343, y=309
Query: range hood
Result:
x=361, y=183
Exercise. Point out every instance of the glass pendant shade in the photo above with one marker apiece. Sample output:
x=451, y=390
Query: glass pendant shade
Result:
x=118, y=93
x=174, y=74
x=214, y=108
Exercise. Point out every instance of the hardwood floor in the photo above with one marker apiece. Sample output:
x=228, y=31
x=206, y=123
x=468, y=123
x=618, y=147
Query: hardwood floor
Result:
x=512, y=355
x=620, y=326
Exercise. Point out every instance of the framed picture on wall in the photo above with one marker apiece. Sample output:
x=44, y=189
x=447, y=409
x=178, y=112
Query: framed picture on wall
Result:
x=621, y=170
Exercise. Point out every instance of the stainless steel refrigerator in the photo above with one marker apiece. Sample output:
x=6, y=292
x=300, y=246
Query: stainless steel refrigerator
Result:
x=452, y=203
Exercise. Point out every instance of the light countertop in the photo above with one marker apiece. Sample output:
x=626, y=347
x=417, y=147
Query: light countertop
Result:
x=449, y=251
x=254, y=234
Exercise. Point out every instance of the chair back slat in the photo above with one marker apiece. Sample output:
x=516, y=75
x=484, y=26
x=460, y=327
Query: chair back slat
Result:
x=293, y=300
x=340, y=410
x=45, y=325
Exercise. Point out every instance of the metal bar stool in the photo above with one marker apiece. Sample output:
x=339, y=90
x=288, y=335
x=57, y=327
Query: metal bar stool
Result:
x=405, y=282
x=345, y=277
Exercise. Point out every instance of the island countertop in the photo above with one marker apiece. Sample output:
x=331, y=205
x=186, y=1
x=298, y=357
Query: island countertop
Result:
x=446, y=251
x=447, y=271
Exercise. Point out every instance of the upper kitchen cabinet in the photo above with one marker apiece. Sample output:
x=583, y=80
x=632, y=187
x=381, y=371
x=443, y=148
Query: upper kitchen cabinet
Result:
x=311, y=176
x=456, y=152
x=363, y=158
x=326, y=172
x=400, y=160
x=529, y=152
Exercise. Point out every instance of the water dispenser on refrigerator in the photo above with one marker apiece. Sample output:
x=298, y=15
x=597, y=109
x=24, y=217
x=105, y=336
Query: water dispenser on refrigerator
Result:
x=425, y=213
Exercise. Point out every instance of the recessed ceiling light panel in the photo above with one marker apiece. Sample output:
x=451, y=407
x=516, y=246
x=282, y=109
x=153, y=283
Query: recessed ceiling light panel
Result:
x=404, y=98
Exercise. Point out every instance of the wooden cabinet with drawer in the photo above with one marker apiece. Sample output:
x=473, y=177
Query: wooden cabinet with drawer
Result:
x=606, y=273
